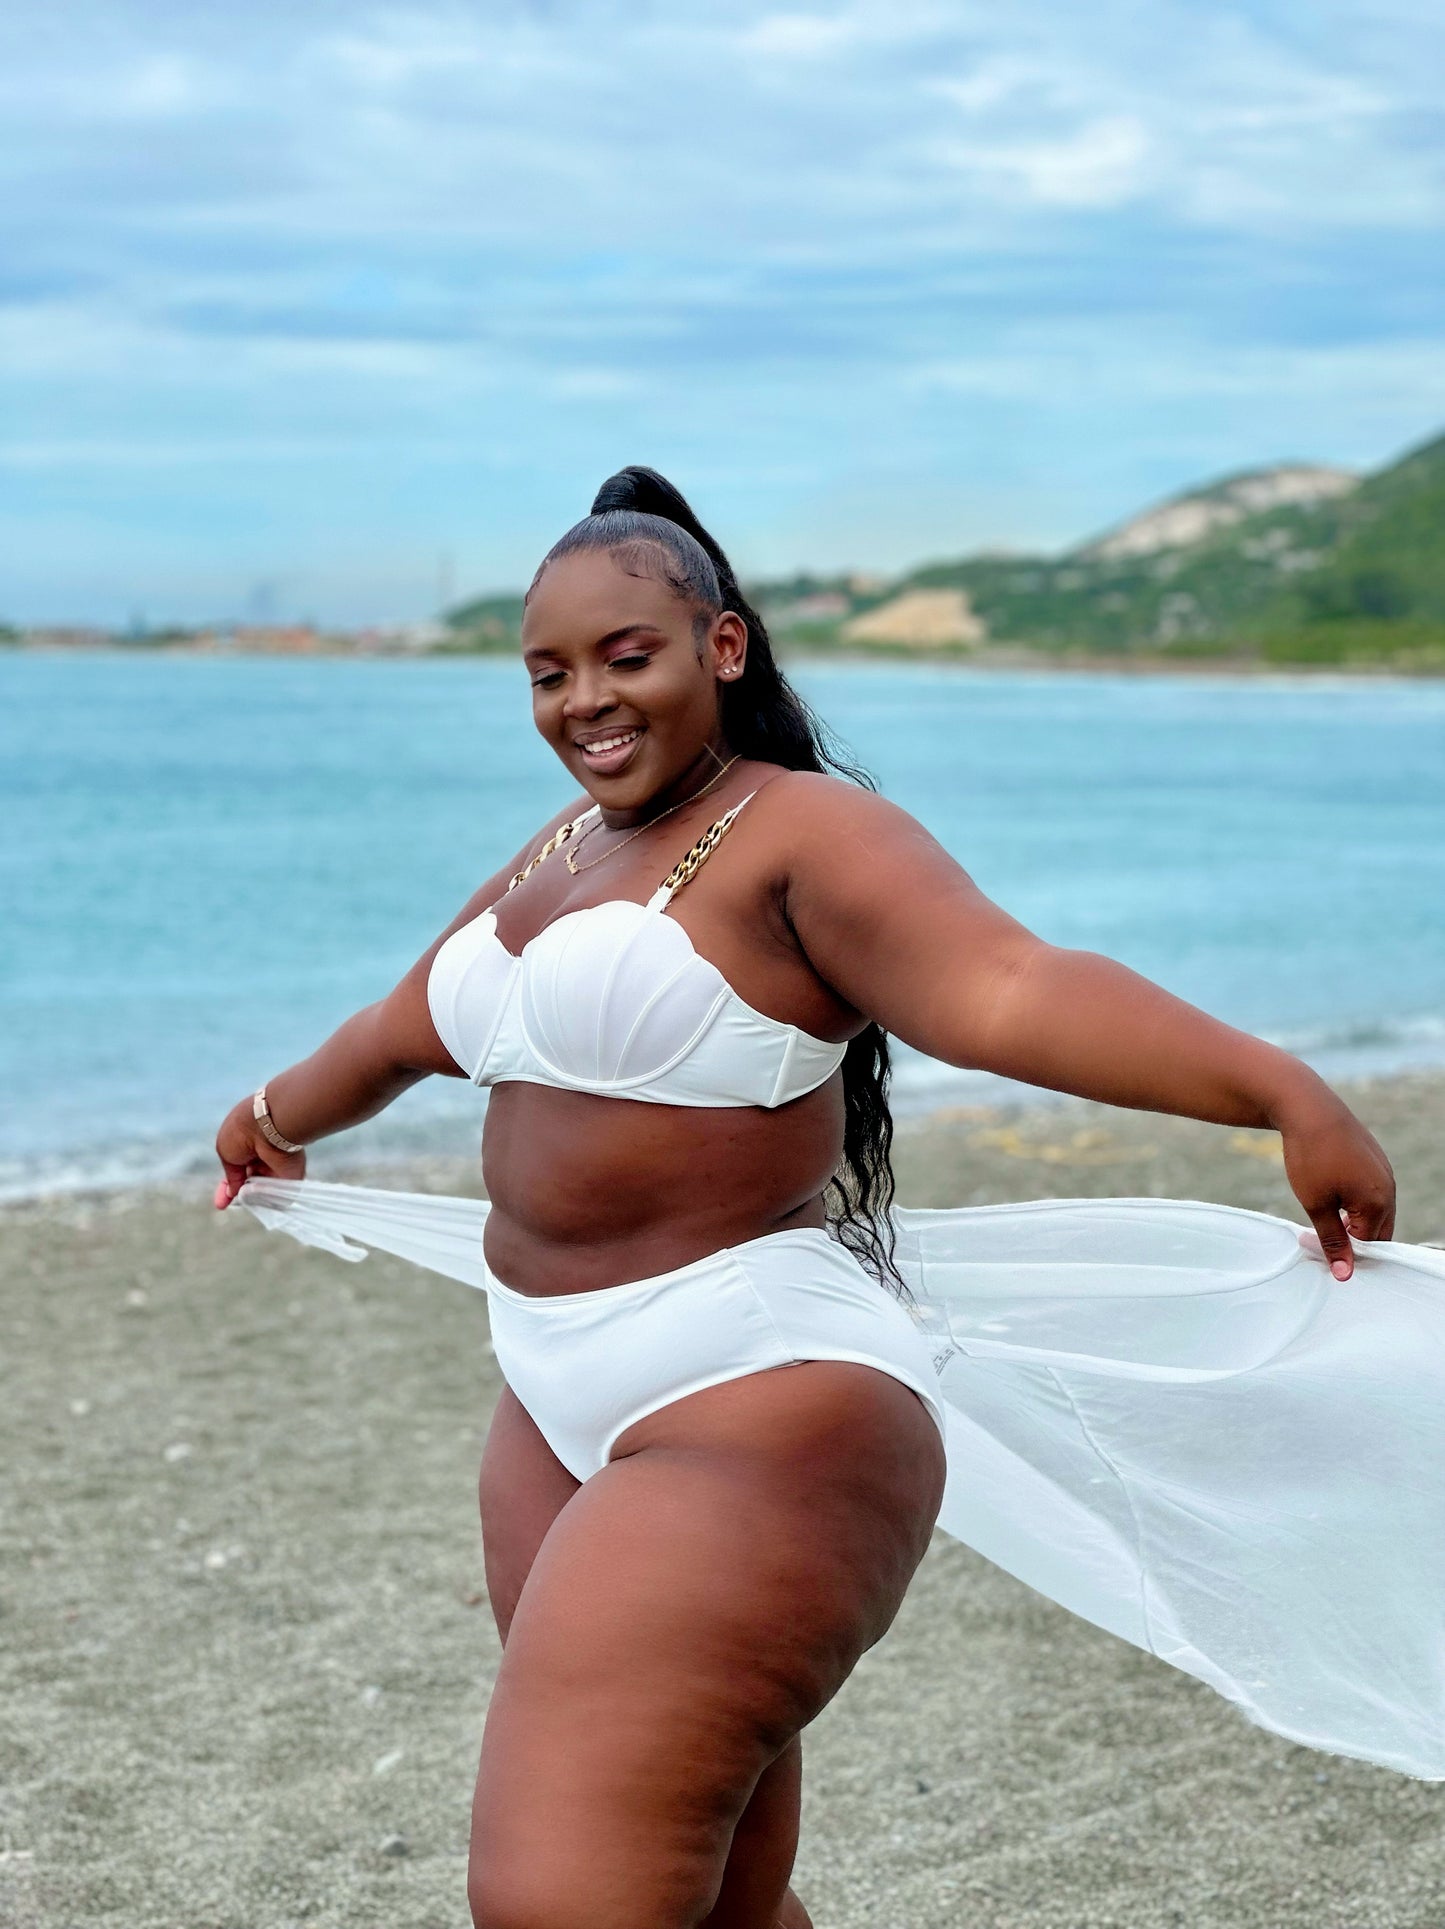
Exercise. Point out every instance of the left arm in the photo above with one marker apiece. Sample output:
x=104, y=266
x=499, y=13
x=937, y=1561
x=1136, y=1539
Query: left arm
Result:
x=1085, y=1024
x=889, y=919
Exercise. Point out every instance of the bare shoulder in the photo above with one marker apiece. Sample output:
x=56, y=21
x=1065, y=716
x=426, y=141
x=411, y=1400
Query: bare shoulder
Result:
x=822, y=820
x=810, y=790
x=888, y=917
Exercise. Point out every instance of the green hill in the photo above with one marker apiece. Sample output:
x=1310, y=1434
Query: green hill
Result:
x=484, y=624
x=1327, y=570
x=1384, y=578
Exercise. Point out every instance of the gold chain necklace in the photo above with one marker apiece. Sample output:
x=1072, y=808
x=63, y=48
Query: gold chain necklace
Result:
x=576, y=869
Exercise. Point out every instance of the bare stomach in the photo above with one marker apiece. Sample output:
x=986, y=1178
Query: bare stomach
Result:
x=590, y=1192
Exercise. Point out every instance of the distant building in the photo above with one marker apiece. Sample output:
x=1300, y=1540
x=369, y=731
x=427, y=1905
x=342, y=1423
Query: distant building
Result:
x=65, y=636
x=826, y=606
x=277, y=639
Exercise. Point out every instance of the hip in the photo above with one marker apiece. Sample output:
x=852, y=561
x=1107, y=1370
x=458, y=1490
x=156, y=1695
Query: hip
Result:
x=589, y=1365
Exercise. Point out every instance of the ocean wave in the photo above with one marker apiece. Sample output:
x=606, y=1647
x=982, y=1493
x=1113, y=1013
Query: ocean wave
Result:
x=144, y=1162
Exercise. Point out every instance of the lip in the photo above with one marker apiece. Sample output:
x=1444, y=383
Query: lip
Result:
x=608, y=762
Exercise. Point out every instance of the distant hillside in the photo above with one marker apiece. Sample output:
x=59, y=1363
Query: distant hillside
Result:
x=1387, y=564
x=1194, y=517
x=1289, y=563
x=1293, y=563
x=485, y=623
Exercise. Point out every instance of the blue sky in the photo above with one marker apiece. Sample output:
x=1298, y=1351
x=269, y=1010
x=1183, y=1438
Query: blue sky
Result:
x=306, y=310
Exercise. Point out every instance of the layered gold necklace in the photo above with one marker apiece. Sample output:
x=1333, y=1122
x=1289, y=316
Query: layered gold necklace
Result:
x=568, y=853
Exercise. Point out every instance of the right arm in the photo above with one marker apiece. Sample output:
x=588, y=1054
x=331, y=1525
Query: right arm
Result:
x=364, y=1065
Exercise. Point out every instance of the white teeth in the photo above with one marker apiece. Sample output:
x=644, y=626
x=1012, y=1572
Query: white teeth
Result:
x=611, y=743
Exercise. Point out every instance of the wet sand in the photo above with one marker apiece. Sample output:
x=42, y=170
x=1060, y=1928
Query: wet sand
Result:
x=245, y=1649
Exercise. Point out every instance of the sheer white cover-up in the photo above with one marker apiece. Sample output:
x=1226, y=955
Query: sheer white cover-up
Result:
x=1165, y=1415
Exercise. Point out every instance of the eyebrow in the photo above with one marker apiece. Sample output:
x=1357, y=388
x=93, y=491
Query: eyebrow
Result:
x=612, y=636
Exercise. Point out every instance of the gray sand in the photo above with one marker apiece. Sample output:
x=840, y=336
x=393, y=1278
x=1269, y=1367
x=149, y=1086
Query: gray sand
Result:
x=244, y=1649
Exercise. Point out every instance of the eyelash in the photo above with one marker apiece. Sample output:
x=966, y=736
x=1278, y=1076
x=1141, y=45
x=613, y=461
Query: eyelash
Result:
x=639, y=660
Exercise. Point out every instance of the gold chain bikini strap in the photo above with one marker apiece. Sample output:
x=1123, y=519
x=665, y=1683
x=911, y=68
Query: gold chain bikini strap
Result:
x=688, y=866
x=554, y=842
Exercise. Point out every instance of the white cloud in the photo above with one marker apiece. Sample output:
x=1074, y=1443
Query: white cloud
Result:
x=990, y=83
x=593, y=384
x=790, y=36
x=160, y=87
x=781, y=239
x=1103, y=164
x=396, y=49
x=1119, y=362
x=887, y=24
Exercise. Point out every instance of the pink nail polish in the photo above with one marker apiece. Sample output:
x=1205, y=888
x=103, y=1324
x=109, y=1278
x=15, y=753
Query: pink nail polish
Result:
x=1340, y=1269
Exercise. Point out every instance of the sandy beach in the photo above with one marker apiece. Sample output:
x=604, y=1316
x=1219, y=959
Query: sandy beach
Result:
x=245, y=1649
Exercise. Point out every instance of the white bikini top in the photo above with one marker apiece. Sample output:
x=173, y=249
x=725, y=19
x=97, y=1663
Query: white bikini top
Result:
x=613, y=999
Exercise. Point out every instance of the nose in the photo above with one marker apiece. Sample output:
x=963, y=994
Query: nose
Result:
x=588, y=695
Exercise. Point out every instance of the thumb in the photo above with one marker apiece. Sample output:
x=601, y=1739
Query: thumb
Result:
x=1334, y=1240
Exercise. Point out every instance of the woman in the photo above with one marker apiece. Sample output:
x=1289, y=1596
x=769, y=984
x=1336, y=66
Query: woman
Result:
x=687, y=1550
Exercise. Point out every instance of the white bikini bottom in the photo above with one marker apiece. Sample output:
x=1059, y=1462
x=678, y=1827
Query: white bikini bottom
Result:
x=586, y=1366
x=1165, y=1415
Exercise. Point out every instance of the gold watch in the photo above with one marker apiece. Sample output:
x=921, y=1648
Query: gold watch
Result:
x=261, y=1112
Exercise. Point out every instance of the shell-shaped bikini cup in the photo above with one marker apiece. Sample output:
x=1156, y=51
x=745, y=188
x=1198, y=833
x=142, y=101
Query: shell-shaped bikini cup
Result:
x=615, y=999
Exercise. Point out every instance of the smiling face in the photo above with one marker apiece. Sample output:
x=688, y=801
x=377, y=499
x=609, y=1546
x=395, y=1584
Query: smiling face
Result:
x=625, y=682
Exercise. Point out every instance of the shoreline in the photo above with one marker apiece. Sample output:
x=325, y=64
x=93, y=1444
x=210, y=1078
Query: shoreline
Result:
x=1103, y=1150
x=444, y=1136
x=1003, y=659
x=1242, y=668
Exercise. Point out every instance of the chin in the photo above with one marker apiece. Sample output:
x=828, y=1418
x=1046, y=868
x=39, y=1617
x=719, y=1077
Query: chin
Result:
x=631, y=790
x=627, y=790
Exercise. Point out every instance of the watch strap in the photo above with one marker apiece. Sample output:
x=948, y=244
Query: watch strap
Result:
x=261, y=1112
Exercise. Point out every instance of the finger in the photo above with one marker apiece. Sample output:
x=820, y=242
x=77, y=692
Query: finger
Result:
x=1382, y=1227
x=1334, y=1240
x=235, y=1178
x=1364, y=1222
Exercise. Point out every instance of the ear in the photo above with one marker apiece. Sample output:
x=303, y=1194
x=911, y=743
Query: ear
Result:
x=728, y=646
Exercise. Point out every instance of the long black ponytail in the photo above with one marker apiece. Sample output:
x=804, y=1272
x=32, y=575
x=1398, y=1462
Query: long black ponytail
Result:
x=638, y=515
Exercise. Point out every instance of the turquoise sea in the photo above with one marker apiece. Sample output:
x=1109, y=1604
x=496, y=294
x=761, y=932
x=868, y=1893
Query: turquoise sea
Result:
x=208, y=862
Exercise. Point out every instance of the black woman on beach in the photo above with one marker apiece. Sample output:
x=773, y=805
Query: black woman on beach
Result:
x=741, y=1382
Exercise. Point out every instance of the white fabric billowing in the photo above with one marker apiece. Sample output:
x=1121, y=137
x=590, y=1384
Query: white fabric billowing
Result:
x=1166, y=1416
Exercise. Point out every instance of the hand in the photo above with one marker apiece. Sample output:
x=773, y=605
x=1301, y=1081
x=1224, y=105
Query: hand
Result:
x=1341, y=1177
x=246, y=1154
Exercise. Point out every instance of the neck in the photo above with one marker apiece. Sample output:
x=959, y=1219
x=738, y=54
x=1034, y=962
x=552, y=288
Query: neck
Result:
x=704, y=768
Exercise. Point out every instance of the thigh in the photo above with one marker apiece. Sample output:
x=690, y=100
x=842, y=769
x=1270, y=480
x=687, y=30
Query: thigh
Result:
x=691, y=1609
x=522, y=1489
